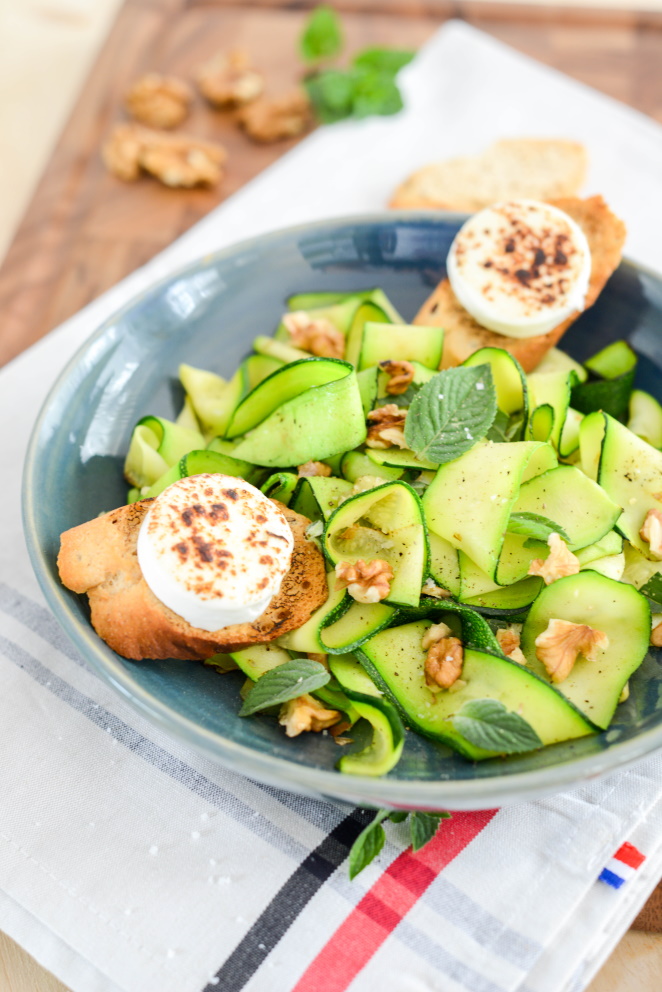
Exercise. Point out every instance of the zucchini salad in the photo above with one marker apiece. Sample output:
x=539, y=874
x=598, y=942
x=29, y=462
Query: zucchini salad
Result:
x=493, y=540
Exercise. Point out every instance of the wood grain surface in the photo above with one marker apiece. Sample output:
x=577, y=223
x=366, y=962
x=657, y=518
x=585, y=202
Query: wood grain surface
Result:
x=85, y=230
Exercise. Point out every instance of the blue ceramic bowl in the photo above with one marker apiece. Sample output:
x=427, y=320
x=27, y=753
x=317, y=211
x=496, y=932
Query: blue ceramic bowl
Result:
x=207, y=315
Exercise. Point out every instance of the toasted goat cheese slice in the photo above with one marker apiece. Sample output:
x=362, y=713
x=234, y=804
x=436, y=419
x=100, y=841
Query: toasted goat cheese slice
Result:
x=214, y=550
x=520, y=267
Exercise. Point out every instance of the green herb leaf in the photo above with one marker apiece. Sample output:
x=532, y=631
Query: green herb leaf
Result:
x=401, y=399
x=287, y=681
x=488, y=724
x=423, y=827
x=506, y=428
x=332, y=95
x=398, y=816
x=388, y=60
x=653, y=589
x=322, y=35
x=451, y=413
x=367, y=845
x=535, y=526
x=375, y=94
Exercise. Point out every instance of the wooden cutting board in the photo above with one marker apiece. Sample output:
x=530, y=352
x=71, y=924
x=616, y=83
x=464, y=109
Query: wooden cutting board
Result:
x=85, y=230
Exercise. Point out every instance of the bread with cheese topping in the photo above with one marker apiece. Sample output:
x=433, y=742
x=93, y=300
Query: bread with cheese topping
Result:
x=99, y=558
x=605, y=234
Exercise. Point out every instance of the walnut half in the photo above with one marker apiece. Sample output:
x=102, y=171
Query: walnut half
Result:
x=559, y=646
x=159, y=101
x=318, y=336
x=275, y=118
x=386, y=428
x=509, y=641
x=401, y=375
x=365, y=581
x=559, y=562
x=443, y=663
x=311, y=469
x=229, y=80
x=306, y=713
x=175, y=159
x=651, y=531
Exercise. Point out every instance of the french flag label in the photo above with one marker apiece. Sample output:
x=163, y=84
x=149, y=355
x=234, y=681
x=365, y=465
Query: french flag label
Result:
x=622, y=866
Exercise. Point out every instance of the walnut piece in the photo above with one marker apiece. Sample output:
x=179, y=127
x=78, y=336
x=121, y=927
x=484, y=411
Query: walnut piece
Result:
x=509, y=641
x=443, y=663
x=365, y=581
x=387, y=427
x=229, y=79
x=651, y=531
x=319, y=337
x=175, y=159
x=306, y=713
x=559, y=562
x=311, y=469
x=158, y=101
x=434, y=634
x=401, y=376
x=560, y=645
x=271, y=119
x=430, y=588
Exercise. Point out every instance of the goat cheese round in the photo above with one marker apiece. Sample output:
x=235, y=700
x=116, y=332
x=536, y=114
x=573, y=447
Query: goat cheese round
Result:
x=214, y=550
x=520, y=267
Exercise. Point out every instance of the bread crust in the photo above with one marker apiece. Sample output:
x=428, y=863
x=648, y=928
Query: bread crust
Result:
x=99, y=558
x=605, y=234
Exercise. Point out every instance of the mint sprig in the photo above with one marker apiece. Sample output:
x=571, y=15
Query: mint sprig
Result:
x=422, y=828
x=534, y=525
x=283, y=683
x=322, y=36
x=488, y=724
x=451, y=412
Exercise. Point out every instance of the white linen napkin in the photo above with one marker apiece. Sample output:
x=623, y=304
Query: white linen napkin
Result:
x=130, y=864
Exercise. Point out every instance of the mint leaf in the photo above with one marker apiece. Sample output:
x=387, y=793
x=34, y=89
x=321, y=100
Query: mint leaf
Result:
x=367, y=845
x=398, y=815
x=488, y=724
x=388, y=60
x=451, y=413
x=332, y=95
x=506, y=428
x=322, y=35
x=535, y=526
x=423, y=827
x=285, y=682
x=375, y=93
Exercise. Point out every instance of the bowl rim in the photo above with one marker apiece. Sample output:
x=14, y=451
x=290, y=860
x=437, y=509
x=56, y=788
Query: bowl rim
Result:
x=470, y=793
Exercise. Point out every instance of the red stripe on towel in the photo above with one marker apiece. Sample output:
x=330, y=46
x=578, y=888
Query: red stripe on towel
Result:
x=629, y=855
x=389, y=900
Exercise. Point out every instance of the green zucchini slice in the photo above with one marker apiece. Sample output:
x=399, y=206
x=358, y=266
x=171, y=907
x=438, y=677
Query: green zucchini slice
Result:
x=613, y=371
x=306, y=639
x=396, y=661
x=509, y=378
x=387, y=523
x=356, y=464
x=408, y=342
x=212, y=397
x=317, y=496
x=305, y=411
x=346, y=629
x=308, y=301
x=471, y=498
x=645, y=417
x=557, y=361
x=444, y=563
x=616, y=609
x=366, y=312
x=156, y=445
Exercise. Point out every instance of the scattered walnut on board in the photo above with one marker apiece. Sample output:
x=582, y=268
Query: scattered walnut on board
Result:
x=175, y=159
x=386, y=428
x=158, y=101
x=443, y=663
x=228, y=79
x=274, y=118
x=365, y=581
x=559, y=646
x=305, y=713
x=401, y=376
x=559, y=562
x=318, y=336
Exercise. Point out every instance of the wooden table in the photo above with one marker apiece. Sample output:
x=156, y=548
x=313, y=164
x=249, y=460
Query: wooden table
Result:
x=85, y=230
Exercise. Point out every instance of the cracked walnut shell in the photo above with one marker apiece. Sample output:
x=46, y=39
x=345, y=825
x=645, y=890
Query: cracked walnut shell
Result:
x=273, y=118
x=175, y=159
x=158, y=101
x=318, y=336
x=365, y=581
x=559, y=646
x=229, y=79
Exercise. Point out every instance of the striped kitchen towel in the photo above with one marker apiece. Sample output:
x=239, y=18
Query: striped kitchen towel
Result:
x=131, y=864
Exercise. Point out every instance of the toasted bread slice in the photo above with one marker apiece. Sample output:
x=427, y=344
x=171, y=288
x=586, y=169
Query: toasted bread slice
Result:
x=99, y=558
x=605, y=234
x=538, y=169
